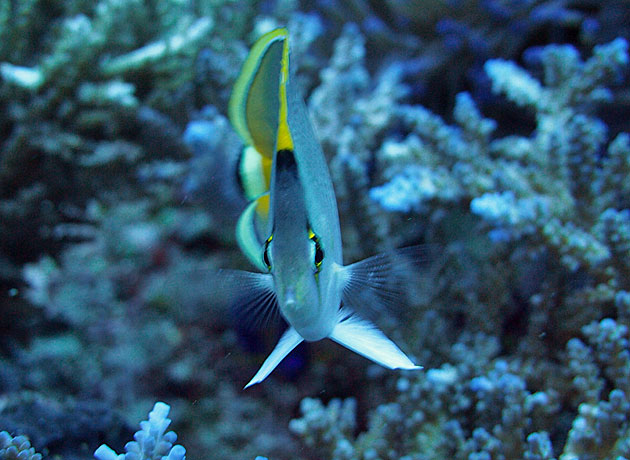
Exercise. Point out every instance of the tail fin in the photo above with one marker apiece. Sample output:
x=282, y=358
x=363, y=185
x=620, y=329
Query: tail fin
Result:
x=366, y=339
x=289, y=340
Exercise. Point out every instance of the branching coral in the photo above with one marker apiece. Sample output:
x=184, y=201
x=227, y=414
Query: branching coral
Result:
x=332, y=424
x=449, y=412
x=548, y=189
x=16, y=448
x=151, y=442
x=600, y=431
x=72, y=113
x=117, y=175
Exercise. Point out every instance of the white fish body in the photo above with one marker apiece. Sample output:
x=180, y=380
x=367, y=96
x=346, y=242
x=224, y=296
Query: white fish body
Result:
x=291, y=229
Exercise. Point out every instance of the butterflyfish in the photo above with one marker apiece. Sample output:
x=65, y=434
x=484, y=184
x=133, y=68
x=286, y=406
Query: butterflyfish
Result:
x=290, y=230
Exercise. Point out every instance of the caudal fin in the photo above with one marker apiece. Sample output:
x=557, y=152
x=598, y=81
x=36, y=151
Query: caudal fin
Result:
x=289, y=340
x=366, y=339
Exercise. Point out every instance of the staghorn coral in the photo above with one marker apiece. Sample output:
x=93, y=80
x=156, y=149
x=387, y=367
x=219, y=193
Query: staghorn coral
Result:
x=455, y=411
x=151, y=442
x=466, y=410
x=126, y=204
x=69, y=119
x=600, y=431
x=547, y=188
x=16, y=448
x=332, y=424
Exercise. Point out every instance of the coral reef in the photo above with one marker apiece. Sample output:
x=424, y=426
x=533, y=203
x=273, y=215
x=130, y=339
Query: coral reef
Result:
x=493, y=132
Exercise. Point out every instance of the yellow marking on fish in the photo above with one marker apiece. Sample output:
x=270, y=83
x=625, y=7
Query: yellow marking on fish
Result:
x=284, y=140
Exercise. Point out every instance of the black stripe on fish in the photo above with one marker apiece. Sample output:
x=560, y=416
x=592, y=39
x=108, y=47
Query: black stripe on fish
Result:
x=285, y=161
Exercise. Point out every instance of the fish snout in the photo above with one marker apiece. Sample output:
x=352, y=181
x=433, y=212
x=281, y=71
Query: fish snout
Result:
x=289, y=299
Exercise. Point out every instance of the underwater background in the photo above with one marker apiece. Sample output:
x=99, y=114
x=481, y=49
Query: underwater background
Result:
x=495, y=132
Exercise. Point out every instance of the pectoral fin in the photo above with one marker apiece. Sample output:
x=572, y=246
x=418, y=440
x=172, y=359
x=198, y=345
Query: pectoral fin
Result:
x=380, y=283
x=289, y=340
x=366, y=339
x=250, y=296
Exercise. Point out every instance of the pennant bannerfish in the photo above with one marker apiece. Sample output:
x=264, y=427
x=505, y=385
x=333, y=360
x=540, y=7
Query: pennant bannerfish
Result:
x=290, y=230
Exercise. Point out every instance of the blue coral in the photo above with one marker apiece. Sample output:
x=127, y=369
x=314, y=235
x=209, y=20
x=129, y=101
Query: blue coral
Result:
x=152, y=442
x=16, y=448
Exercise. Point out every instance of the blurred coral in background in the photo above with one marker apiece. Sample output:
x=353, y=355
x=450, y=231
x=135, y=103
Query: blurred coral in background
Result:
x=496, y=132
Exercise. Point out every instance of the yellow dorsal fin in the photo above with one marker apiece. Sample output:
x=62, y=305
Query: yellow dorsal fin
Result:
x=255, y=103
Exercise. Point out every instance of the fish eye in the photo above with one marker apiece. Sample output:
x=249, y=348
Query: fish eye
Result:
x=266, y=254
x=318, y=256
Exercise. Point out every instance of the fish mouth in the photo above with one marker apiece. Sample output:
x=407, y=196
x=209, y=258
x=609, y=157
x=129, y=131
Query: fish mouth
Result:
x=289, y=299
